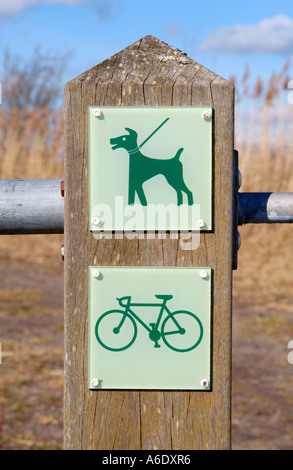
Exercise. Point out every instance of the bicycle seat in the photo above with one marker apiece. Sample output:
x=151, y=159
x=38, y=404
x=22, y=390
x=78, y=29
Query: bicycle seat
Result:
x=127, y=300
x=164, y=297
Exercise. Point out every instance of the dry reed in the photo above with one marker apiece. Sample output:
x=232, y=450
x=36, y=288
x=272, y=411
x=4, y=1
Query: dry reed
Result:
x=264, y=140
x=31, y=145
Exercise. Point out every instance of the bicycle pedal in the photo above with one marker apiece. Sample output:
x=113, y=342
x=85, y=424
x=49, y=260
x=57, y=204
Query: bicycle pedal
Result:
x=157, y=346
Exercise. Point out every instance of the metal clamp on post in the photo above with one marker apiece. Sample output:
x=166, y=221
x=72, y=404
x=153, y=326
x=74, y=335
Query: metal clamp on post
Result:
x=265, y=208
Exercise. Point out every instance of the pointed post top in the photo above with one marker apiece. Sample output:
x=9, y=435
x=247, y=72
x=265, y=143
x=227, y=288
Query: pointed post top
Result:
x=148, y=59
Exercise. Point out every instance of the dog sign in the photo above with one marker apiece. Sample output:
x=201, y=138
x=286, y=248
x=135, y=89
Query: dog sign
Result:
x=150, y=168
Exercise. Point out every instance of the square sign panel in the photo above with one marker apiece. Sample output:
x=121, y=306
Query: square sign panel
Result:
x=150, y=168
x=149, y=328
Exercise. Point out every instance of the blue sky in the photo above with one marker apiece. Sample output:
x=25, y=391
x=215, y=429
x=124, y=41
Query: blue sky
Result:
x=221, y=35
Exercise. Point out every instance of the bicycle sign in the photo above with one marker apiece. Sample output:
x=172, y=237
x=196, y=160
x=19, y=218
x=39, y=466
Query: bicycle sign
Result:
x=181, y=331
x=149, y=328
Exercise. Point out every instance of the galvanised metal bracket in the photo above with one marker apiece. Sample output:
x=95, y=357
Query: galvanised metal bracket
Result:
x=257, y=208
x=268, y=208
x=31, y=206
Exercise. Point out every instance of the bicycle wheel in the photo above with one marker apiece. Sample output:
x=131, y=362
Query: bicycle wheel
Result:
x=182, y=331
x=116, y=330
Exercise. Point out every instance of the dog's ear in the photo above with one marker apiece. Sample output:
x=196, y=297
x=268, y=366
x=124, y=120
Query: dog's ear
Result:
x=131, y=131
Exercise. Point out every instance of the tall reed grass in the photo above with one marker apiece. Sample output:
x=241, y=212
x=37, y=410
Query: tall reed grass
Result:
x=31, y=146
x=264, y=140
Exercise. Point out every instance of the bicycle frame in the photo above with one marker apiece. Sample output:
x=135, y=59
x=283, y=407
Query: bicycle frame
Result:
x=155, y=334
x=163, y=306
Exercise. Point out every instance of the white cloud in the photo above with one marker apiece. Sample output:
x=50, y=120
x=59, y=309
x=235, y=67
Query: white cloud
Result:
x=12, y=7
x=269, y=36
x=102, y=8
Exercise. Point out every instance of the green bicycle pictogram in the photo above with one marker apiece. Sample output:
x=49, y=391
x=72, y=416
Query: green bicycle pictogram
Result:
x=116, y=330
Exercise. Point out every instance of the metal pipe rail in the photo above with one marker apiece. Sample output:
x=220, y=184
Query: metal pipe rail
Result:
x=31, y=207
x=37, y=206
x=268, y=208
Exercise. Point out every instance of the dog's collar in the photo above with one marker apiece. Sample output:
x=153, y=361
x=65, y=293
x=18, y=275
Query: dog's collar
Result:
x=133, y=150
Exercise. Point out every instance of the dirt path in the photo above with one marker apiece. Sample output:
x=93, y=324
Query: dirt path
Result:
x=262, y=406
x=31, y=333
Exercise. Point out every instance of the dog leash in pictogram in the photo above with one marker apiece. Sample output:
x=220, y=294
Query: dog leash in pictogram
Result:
x=148, y=138
x=156, y=130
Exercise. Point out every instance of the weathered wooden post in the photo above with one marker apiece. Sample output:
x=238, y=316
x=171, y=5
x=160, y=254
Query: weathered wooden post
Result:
x=148, y=73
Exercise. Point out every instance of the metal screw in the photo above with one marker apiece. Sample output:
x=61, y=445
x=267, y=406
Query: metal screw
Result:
x=203, y=274
x=96, y=273
x=96, y=221
x=204, y=383
x=95, y=382
x=206, y=115
x=97, y=112
x=201, y=223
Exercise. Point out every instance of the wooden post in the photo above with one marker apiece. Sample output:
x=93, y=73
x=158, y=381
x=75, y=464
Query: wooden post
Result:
x=147, y=73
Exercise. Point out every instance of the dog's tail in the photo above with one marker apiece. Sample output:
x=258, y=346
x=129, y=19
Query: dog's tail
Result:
x=177, y=156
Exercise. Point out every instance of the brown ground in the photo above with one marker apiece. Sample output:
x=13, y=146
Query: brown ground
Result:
x=31, y=335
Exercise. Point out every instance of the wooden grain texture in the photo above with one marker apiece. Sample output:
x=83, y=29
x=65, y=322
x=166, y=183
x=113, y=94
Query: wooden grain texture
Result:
x=147, y=73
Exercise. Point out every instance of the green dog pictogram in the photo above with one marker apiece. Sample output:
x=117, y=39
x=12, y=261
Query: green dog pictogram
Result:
x=142, y=168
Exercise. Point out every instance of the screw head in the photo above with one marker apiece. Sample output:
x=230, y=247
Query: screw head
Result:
x=204, y=383
x=201, y=223
x=95, y=220
x=203, y=274
x=95, y=382
x=98, y=222
x=96, y=273
x=97, y=112
x=206, y=115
